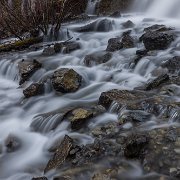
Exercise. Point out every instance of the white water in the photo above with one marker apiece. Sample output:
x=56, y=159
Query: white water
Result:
x=158, y=8
x=91, y=6
x=17, y=114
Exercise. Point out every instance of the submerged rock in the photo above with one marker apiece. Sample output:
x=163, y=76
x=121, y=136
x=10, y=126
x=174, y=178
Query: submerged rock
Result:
x=97, y=58
x=103, y=25
x=34, y=90
x=12, y=143
x=49, y=51
x=157, y=40
x=78, y=117
x=60, y=155
x=136, y=146
x=27, y=69
x=39, y=178
x=66, y=80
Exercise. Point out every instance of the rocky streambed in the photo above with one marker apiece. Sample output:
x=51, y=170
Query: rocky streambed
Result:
x=102, y=103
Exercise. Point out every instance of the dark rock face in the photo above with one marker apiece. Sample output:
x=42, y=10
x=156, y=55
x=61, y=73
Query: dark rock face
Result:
x=66, y=47
x=103, y=25
x=27, y=69
x=107, y=7
x=34, y=90
x=116, y=14
x=97, y=58
x=66, y=80
x=114, y=44
x=157, y=40
x=78, y=117
x=135, y=146
x=142, y=52
x=60, y=155
x=157, y=82
x=128, y=24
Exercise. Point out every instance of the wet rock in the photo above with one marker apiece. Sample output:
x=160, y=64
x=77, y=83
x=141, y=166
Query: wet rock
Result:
x=97, y=58
x=114, y=44
x=12, y=143
x=66, y=47
x=60, y=155
x=127, y=41
x=157, y=82
x=27, y=69
x=157, y=40
x=141, y=52
x=66, y=80
x=136, y=146
x=172, y=64
x=78, y=117
x=40, y=178
x=34, y=90
x=128, y=24
x=103, y=25
x=116, y=14
x=157, y=28
x=49, y=51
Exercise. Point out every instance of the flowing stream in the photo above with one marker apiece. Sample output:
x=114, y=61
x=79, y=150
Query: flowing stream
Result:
x=17, y=113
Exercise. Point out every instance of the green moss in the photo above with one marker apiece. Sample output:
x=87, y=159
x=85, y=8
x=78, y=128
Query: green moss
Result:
x=20, y=45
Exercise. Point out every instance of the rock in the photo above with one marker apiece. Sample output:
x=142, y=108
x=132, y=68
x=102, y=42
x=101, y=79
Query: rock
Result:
x=127, y=41
x=157, y=40
x=128, y=24
x=136, y=146
x=60, y=155
x=157, y=27
x=78, y=117
x=39, y=178
x=103, y=25
x=34, y=89
x=114, y=44
x=12, y=143
x=27, y=69
x=173, y=64
x=116, y=14
x=157, y=82
x=49, y=51
x=97, y=58
x=66, y=47
x=66, y=80
x=141, y=52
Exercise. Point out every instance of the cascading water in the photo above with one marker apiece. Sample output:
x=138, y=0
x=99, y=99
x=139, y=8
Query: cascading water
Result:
x=19, y=115
x=91, y=6
x=158, y=8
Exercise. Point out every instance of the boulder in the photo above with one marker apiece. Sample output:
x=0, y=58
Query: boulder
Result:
x=157, y=27
x=39, y=178
x=34, y=90
x=27, y=69
x=66, y=47
x=97, y=58
x=66, y=80
x=60, y=154
x=49, y=51
x=157, y=40
x=128, y=24
x=78, y=117
x=103, y=25
x=127, y=41
x=114, y=44
x=115, y=14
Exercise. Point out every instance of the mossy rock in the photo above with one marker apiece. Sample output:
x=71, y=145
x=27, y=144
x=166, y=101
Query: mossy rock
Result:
x=20, y=45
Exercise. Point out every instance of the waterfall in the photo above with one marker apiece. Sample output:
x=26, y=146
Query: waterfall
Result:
x=91, y=6
x=158, y=8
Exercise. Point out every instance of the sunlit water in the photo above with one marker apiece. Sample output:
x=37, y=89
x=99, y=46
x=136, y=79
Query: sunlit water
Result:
x=16, y=113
